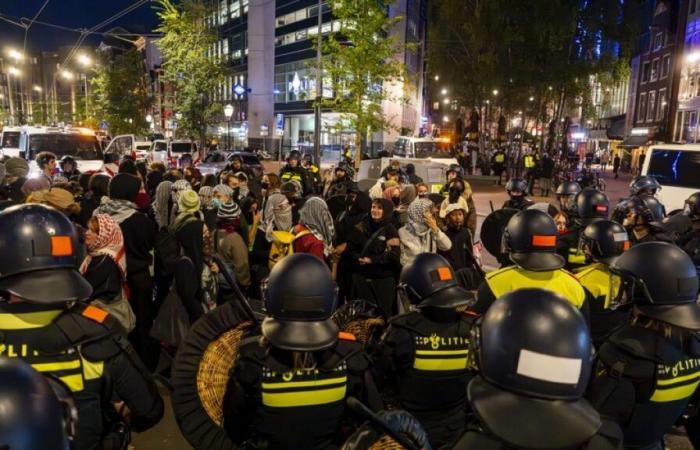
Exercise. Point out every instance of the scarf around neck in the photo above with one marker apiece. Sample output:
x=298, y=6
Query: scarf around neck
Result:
x=119, y=210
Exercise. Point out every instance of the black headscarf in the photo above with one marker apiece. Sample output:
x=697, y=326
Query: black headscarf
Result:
x=387, y=215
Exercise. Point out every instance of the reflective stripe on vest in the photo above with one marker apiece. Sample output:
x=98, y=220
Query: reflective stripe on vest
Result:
x=500, y=157
x=68, y=366
x=600, y=282
x=304, y=388
x=560, y=281
x=287, y=176
x=576, y=256
x=529, y=162
x=677, y=382
x=438, y=354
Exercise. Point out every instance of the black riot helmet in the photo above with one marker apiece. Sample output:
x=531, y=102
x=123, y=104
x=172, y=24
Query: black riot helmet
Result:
x=300, y=298
x=692, y=205
x=294, y=154
x=516, y=185
x=533, y=350
x=40, y=261
x=622, y=209
x=604, y=240
x=308, y=158
x=33, y=416
x=591, y=204
x=649, y=208
x=429, y=280
x=661, y=281
x=644, y=185
x=67, y=159
x=530, y=238
x=456, y=168
x=566, y=192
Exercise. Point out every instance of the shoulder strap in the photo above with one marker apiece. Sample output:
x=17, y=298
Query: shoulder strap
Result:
x=371, y=239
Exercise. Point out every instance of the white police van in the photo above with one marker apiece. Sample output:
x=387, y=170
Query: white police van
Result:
x=677, y=168
x=9, y=141
x=80, y=143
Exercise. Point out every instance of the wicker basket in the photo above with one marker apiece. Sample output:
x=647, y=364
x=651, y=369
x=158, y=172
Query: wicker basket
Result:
x=214, y=370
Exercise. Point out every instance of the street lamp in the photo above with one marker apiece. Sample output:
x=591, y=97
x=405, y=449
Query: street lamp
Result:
x=444, y=91
x=437, y=77
x=445, y=119
x=37, y=88
x=446, y=101
x=495, y=92
x=228, y=112
x=532, y=99
x=149, y=119
x=86, y=62
x=15, y=54
x=15, y=72
x=67, y=75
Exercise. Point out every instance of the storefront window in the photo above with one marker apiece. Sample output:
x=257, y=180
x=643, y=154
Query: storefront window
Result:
x=690, y=126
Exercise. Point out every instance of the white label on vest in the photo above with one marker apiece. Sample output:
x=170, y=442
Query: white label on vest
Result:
x=555, y=369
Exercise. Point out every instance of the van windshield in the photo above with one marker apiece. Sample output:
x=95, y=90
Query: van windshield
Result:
x=675, y=168
x=79, y=146
x=181, y=147
x=10, y=139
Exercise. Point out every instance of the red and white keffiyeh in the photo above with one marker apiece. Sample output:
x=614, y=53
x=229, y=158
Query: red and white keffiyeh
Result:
x=109, y=242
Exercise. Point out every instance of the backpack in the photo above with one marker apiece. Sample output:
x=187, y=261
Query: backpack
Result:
x=166, y=248
x=283, y=245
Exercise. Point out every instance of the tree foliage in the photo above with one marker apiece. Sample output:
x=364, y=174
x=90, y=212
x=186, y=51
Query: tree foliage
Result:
x=539, y=54
x=364, y=65
x=186, y=64
x=119, y=94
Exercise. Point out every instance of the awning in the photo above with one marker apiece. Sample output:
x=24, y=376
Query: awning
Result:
x=600, y=135
x=616, y=131
x=634, y=141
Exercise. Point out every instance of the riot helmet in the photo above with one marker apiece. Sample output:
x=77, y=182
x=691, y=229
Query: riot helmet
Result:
x=516, y=185
x=566, y=193
x=591, y=204
x=294, y=155
x=692, y=205
x=429, y=280
x=40, y=261
x=456, y=168
x=308, y=158
x=604, y=240
x=644, y=185
x=661, y=281
x=534, y=354
x=300, y=298
x=622, y=209
x=67, y=159
x=648, y=208
x=33, y=415
x=530, y=239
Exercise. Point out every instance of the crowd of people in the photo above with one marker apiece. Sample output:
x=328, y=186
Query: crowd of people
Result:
x=586, y=337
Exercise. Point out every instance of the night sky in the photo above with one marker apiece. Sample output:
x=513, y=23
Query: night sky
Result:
x=71, y=14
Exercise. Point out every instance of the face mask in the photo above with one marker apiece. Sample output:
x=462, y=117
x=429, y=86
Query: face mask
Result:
x=216, y=203
x=264, y=185
x=396, y=201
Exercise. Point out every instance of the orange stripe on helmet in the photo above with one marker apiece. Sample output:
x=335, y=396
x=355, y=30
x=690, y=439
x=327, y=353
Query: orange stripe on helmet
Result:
x=444, y=274
x=544, y=241
x=61, y=246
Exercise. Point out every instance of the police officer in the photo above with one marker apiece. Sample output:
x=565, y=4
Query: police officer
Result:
x=530, y=241
x=566, y=194
x=602, y=242
x=293, y=171
x=644, y=220
x=424, y=352
x=648, y=368
x=530, y=168
x=288, y=389
x=81, y=345
x=691, y=243
x=590, y=205
x=453, y=172
x=69, y=167
x=342, y=183
x=32, y=416
x=529, y=391
x=499, y=163
x=312, y=170
x=517, y=191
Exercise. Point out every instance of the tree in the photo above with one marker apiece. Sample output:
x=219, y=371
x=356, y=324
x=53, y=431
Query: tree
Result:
x=196, y=76
x=119, y=93
x=363, y=63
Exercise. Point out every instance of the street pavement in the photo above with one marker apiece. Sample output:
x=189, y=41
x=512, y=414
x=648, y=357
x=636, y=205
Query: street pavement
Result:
x=166, y=435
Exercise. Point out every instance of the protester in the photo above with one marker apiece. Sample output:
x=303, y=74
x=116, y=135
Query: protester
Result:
x=315, y=218
x=421, y=234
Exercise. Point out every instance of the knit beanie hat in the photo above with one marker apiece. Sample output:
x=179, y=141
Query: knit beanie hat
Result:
x=188, y=202
x=124, y=186
x=16, y=167
x=223, y=189
x=35, y=184
x=229, y=210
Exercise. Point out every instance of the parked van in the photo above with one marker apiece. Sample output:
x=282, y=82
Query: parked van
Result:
x=677, y=168
x=412, y=147
x=174, y=153
x=9, y=141
x=80, y=143
x=129, y=144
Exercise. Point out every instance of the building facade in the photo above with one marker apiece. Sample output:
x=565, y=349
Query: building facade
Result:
x=686, y=120
x=271, y=79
